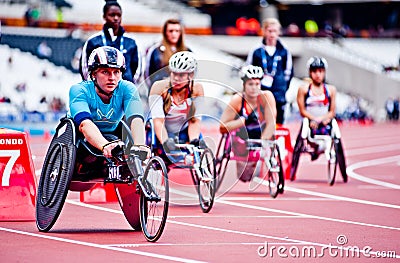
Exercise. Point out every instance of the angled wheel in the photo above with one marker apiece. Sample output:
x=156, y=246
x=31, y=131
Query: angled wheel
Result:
x=332, y=164
x=341, y=158
x=155, y=201
x=207, y=182
x=298, y=147
x=222, y=159
x=276, y=180
x=56, y=176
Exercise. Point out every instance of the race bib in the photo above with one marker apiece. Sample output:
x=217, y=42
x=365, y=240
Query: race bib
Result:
x=267, y=81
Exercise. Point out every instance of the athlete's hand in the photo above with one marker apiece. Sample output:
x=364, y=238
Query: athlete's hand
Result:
x=169, y=145
x=109, y=147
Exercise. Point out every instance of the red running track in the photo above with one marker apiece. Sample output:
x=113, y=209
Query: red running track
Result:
x=243, y=226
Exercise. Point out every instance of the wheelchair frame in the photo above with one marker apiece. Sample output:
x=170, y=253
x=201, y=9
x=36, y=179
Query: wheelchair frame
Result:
x=200, y=162
x=269, y=167
x=148, y=188
x=334, y=152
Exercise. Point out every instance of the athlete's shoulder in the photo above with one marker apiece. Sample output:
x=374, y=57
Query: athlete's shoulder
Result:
x=159, y=87
x=331, y=88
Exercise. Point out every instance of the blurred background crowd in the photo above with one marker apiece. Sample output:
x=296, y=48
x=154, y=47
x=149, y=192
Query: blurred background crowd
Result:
x=41, y=43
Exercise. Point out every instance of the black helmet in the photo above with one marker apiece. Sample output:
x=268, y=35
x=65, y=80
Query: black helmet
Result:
x=317, y=62
x=106, y=57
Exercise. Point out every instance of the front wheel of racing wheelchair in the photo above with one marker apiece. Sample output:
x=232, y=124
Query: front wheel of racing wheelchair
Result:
x=199, y=160
x=59, y=174
x=333, y=150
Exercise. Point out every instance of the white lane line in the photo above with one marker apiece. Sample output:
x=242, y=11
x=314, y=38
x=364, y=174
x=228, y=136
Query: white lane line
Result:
x=286, y=239
x=373, y=149
x=77, y=242
x=220, y=200
x=341, y=198
x=350, y=171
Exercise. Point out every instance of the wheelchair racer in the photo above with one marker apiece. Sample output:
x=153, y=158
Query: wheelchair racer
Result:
x=251, y=112
x=172, y=104
x=97, y=106
x=316, y=102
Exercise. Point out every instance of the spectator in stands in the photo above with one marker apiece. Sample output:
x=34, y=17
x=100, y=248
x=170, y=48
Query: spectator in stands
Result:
x=396, y=109
x=158, y=55
x=389, y=106
x=276, y=61
x=113, y=34
x=43, y=50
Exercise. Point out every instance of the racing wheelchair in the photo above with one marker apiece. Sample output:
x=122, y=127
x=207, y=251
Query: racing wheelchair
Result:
x=199, y=160
x=264, y=154
x=328, y=144
x=141, y=184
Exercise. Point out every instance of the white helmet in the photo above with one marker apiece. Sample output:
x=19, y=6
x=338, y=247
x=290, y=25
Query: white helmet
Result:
x=182, y=62
x=251, y=72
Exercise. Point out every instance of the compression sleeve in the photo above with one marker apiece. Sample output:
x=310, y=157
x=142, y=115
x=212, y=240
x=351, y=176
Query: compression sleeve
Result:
x=156, y=105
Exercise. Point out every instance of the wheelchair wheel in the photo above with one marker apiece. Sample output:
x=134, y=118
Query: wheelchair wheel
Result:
x=207, y=182
x=341, y=158
x=298, y=147
x=55, y=177
x=154, y=204
x=222, y=159
x=332, y=164
x=276, y=180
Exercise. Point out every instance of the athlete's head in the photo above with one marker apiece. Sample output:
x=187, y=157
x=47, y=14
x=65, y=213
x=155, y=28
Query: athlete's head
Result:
x=317, y=69
x=251, y=76
x=106, y=65
x=112, y=14
x=182, y=66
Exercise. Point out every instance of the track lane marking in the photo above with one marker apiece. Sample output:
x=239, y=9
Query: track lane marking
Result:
x=220, y=200
x=254, y=234
x=76, y=242
x=350, y=171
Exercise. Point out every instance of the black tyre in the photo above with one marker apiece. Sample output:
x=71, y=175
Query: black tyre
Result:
x=222, y=159
x=332, y=164
x=298, y=147
x=154, y=208
x=276, y=179
x=341, y=159
x=207, y=182
x=56, y=176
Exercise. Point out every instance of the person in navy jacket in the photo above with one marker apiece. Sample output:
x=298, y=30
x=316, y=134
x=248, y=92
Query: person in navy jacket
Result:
x=114, y=35
x=276, y=61
x=158, y=55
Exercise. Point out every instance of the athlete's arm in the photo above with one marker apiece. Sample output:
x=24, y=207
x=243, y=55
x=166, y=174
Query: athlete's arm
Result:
x=194, y=122
x=229, y=121
x=269, y=115
x=156, y=104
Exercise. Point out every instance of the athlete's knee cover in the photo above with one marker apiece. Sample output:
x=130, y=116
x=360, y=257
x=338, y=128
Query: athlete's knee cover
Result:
x=335, y=129
x=305, y=128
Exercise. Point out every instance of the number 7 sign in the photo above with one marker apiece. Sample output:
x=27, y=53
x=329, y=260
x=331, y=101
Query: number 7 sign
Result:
x=17, y=177
x=13, y=154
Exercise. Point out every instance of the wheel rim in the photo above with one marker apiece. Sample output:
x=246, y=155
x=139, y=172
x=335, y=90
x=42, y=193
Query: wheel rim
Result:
x=296, y=157
x=341, y=159
x=222, y=159
x=206, y=185
x=332, y=164
x=53, y=169
x=153, y=214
